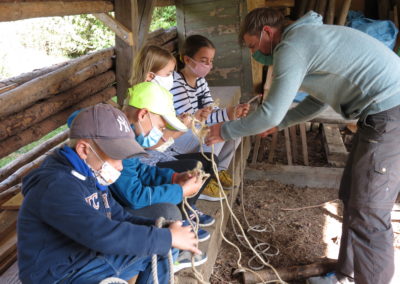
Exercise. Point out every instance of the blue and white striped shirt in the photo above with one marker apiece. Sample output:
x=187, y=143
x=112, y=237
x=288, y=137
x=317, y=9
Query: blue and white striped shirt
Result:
x=190, y=100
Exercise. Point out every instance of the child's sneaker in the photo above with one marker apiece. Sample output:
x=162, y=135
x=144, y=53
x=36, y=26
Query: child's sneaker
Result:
x=202, y=235
x=204, y=219
x=329, y=278
x=226, y=179
x=184, y=260
x=211, y=192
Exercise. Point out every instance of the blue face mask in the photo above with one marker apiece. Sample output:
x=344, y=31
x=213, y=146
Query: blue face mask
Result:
x=262, y=58
x=150, y=139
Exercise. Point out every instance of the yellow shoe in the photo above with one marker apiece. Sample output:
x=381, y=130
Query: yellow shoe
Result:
x=225, y=179
x=211, y=192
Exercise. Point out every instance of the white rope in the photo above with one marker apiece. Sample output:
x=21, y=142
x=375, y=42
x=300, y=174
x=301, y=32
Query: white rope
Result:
x=200, y=133
x=160, y=222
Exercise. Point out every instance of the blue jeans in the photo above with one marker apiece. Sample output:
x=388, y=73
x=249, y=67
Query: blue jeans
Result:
x=124, y=267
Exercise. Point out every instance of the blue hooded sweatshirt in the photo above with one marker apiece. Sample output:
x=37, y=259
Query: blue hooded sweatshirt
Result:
x=141, y=185
x=354, y=73
x=65, y=220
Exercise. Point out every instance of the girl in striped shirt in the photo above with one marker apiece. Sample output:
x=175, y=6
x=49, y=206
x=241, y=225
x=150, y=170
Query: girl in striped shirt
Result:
x=192, y=95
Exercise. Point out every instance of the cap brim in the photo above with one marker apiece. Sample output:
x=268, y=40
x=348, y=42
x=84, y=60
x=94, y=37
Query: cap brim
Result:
x=120, y=149
x=175, y=123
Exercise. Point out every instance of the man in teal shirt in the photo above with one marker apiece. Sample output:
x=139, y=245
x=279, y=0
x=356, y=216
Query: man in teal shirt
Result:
x=359, y=78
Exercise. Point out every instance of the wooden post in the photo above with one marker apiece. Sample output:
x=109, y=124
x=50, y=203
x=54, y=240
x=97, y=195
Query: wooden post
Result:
x=293, y=138
x=303, y=136
x=266, y=90
x=330, y=13
x=126, y=13
x=135, y=15
x=287, y=145
x=273, y=147
x=343, y=13
x=302, y=8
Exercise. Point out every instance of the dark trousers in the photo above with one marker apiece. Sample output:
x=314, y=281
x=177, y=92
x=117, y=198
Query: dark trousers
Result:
x=188, y=162
x=368, y=189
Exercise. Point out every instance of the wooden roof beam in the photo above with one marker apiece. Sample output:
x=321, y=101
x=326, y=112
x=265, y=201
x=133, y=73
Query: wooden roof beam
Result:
x=12, y=11
x=119, y=29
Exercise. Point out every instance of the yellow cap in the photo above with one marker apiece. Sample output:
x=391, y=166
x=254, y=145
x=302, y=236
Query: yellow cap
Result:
x=155, y=99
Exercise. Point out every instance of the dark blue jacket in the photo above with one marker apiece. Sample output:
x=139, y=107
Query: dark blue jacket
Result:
x=65, y=221
x=141, y=185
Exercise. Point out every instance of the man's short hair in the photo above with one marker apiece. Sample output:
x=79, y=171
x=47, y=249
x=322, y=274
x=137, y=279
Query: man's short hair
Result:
x=256, y=19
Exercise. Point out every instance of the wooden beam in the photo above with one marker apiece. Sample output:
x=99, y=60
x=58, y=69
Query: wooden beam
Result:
x=120, y=30
x=126, y=13
x=343, y=13
x=33, y=9
x=43, y=87
x=335, y=150
x=8, y=221
x=163, y=3
x=38, y=130
x=28, y=157
x=145, y=9
x=14, y=203
x=279, y=3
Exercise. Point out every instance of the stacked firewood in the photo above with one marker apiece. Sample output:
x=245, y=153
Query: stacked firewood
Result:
x=36, y=103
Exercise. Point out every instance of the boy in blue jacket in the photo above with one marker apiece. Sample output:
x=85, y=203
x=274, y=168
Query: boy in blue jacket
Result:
x=71, y=230
x=150, y=109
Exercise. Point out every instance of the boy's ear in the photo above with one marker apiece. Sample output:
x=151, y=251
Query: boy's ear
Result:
x=142, y=113
x=82, y=149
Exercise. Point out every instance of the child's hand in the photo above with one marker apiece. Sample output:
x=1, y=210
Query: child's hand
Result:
x=191, y=186
x=183, y=238
x=203, y=113
x=181, y=178
x=186, y=119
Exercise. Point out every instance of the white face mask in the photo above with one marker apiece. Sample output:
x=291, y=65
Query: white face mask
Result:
x=166, y=82
x=107, y=174
x=166, y=145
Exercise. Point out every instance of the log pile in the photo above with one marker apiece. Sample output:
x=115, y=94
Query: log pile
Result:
x=36, y=103
x=167, y=39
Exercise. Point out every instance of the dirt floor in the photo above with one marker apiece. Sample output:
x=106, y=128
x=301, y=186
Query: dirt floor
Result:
x=302, y=236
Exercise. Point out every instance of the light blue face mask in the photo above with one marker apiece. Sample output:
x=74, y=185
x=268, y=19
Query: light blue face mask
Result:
x=150, y=139
x=262, y=58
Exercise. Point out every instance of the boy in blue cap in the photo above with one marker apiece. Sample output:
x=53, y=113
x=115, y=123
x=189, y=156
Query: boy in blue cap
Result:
x=71, y=230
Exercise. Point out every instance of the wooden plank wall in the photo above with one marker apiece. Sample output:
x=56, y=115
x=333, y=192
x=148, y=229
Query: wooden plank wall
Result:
x=219, y=21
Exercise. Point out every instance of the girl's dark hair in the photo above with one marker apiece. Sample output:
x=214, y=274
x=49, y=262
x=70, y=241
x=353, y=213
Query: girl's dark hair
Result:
x=191, y=46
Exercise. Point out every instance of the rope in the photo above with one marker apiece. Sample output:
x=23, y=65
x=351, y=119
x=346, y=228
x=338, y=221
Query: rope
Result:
x=200, y=130
x=160, y=222
x=308, y=207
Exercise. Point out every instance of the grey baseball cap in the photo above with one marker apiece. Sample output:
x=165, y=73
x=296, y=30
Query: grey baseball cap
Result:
x=110, y=130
